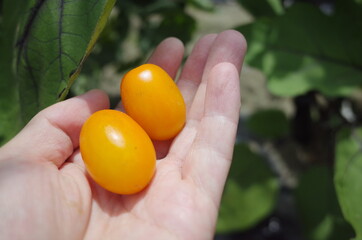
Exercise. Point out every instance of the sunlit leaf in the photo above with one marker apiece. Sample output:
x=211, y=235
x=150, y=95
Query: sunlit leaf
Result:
x=53, y=43
x=348, y=177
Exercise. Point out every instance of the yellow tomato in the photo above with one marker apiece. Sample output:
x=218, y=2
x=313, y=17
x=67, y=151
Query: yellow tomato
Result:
x=153, y=100
x=117, y=152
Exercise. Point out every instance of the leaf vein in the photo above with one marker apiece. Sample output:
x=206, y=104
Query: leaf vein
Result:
x=70, y=57
x=43, y=41
x=75, y=35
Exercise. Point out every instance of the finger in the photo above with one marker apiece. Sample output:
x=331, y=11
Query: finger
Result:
x=230, y=47
x=211, y=152
x=162, y=148
x=192, y=71
x=74, y=166
x=168, y=55
x=53, y=134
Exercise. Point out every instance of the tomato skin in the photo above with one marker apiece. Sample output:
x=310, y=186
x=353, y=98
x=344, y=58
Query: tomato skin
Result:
x=117, y=152
x=153, y=100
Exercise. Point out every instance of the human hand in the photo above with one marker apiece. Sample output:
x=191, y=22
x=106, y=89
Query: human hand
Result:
x=45, y=192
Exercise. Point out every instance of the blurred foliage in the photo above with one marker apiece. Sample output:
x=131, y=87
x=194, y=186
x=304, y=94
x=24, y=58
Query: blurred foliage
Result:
x=304, y=49
x=10, y=121
x=318, y=208
x=310, y=51
x=269, y=124
x=250, y=193
x=264, y=8
x=348, y=176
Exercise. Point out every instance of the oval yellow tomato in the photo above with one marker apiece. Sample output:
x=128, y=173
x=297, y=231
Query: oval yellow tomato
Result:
x=117, y=152
x=153, y=100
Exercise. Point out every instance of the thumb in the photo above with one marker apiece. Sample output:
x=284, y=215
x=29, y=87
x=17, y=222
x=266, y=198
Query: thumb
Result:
x=53, y=134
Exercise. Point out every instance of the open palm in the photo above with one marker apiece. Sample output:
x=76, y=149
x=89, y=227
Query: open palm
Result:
x=46, y=193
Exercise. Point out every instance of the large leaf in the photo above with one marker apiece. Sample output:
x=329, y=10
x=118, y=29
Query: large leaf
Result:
x=348, y=177
x=250, y=193
x=304, y=49
x=55, y=39
x=9, y=100
x=317, y=205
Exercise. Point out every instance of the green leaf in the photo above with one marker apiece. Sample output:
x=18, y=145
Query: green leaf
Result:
x=348, y=177
x=206, y=5
x=175, y=23
x=250, y=192
x=305, y=50
x=318, y=208
x=9, y=100
x=147, y=7
x=263, y=8
x=268, y=123
x=55, y=39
